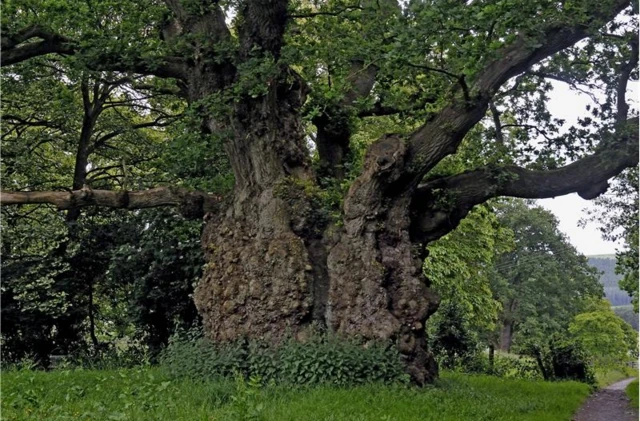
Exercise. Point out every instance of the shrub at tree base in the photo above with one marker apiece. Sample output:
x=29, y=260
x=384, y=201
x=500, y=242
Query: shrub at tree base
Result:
x=322, y=359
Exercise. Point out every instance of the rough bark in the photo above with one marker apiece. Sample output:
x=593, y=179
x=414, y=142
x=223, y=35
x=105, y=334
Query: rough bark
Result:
x=259, y=274
x=277, y=267
x=378, y=290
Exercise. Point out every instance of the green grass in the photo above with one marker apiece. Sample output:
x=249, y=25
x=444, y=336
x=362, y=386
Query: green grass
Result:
x=147, y=394
x=607, y=377
x=632, y=392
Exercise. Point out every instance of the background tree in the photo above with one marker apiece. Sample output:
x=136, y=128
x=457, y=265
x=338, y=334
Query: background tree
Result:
x=543, y=282
x=263, y=79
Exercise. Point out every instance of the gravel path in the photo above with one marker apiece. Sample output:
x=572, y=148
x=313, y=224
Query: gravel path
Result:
x=608, y=404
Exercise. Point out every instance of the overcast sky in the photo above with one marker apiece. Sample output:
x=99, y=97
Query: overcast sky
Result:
x=568, y=105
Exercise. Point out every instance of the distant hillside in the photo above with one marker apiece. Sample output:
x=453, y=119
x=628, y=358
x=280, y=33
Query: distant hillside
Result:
x=627, y=314
x=609, y=279
x=620, y=300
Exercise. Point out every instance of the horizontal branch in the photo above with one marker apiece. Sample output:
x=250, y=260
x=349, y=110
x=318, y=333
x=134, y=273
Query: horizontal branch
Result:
x=587, y=177
x=191, y=204
x=19, y=47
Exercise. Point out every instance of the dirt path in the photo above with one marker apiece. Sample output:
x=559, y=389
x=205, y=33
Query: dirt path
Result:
x=608, y=404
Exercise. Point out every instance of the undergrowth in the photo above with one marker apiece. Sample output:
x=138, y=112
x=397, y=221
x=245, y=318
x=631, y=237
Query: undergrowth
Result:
x=323, y=359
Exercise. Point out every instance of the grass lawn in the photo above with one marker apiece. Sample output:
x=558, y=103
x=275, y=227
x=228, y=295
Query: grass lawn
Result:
x=632, y=392
x=147, y=394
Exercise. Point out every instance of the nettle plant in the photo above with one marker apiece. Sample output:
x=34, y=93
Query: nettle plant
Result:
x=320, y=359
x=296, y=93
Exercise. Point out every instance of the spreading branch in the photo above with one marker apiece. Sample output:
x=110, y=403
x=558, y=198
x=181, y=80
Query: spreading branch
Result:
x=191, y=204
x=587, y=177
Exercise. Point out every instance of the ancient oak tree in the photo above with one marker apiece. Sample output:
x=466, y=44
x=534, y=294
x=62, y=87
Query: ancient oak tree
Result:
x=362, y=101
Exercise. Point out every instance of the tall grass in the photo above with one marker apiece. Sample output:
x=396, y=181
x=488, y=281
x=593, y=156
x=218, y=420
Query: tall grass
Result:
x=150, y=394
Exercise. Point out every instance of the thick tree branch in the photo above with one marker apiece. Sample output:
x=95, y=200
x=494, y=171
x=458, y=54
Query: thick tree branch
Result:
x=262, y=26
x=587, y=176
x=191, y=204
x=442, y=135
x=35, y=49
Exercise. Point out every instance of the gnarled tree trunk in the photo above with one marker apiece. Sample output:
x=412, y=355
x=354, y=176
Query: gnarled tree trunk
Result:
x=278, y=266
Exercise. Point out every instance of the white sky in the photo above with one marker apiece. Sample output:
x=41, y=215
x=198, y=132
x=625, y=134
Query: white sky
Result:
x=569, y=209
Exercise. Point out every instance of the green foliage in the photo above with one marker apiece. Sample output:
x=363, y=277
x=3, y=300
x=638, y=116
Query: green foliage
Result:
x=568, y=360
x=162, y=257
x=127, y=263
x=245, y=402
x=608, y=340
x=137, y=394
x=459, y=266
x=606, y=377
x=319, y=360
x=76, y=285
x=559, y=359
x=111, y=356
x=150, y=395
